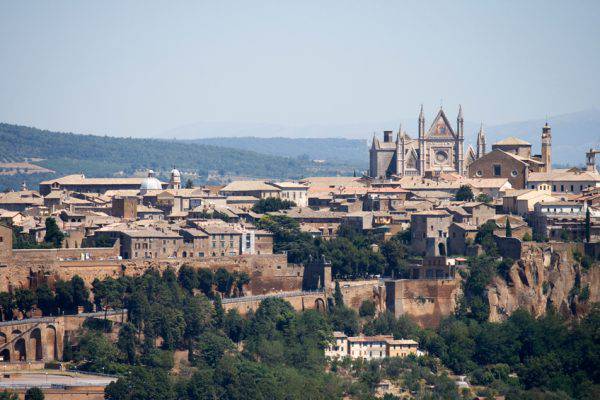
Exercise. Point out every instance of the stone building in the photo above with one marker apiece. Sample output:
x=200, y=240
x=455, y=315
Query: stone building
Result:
x=564, y=221
x=460, y=236
x=511, y=158
x=370, y=347
x=79, y=183
x=437, y=150
x=429, y=230
x=292, y=191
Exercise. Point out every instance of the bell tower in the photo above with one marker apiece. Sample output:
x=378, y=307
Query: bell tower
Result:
x=422, y=149
x=460, y=132
x=547, y=147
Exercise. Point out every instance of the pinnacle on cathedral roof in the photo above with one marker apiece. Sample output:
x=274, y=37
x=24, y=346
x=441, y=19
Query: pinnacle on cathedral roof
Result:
x=421, y=116
x=460, y=113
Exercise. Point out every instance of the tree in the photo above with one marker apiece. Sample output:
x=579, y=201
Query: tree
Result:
x=127, y=342
x=7, y=303
x=485, y=237
x=205, y=281
x=6, y=395
x=103, y=240
x=25, y=300
x=527, y=237
x=219, y=316
x=464, y=193
x=587, y=225
x=234, y=325
x=271, y=204
x=338, y=297
x=188, y=279
x=345, y=319
x=81, y=294
x=142, y=383
x=224, y=281
x=189, y=184
x=508, y=228
x=484, y=198
x=34, y=393
x=54, y=235
x=108, y=293
x=367, y=308
x=45, y=299
x=210, y=348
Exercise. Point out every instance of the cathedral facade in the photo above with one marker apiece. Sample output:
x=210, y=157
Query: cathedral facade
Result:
x=440, y=149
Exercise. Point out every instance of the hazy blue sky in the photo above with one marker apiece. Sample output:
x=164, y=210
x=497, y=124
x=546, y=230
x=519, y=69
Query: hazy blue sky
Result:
x=141, y=68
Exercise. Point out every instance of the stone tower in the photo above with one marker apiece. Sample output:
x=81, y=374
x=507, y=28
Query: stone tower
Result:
x=480, y=142
x=460, y=131
x=422, y=149
x=547, y=148
x=175, y=181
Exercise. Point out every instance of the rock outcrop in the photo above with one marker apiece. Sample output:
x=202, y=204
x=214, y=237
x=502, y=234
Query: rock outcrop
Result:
x=546, y=275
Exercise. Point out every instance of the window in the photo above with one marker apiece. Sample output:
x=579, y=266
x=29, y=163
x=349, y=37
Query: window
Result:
x=497, y=170
x=562, y=188
x=571, y=188
x=554, y=188
x=514, y=173
x=479, y=174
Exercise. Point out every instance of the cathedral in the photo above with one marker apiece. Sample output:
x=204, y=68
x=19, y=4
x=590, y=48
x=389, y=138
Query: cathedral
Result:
x=437, y=150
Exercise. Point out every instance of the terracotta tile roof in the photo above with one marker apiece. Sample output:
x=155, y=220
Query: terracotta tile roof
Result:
x=242, y=186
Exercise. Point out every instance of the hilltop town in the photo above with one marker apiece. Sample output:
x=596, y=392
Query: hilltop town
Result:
x=411, y=261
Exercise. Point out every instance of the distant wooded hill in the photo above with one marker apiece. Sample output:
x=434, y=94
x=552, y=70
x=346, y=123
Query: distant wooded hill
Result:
x=348, y=151
x=572, y=135
x=102, y=156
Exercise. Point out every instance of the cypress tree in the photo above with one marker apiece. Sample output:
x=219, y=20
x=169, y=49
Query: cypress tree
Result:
x=338, y=297
x=508, y=228
x=53, y=235
x=587, y=225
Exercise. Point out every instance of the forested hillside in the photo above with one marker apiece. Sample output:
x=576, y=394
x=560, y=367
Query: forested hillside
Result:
x=350, y=151
x=101, y=156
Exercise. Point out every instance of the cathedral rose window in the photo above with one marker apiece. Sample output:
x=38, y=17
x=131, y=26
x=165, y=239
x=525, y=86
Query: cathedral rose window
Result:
x=441, y=156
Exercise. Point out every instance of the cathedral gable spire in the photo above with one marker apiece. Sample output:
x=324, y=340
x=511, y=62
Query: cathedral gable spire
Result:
x=440, y=127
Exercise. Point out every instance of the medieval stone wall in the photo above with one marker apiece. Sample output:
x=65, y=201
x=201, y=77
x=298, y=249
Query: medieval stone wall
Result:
x=426, y=301
x=268, y=272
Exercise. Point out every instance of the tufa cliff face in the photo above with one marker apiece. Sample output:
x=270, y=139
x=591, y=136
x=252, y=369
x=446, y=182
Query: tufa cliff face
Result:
x=546, y=275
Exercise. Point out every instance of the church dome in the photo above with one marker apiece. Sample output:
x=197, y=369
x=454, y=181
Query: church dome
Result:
x=150, y=183
x=175, y=173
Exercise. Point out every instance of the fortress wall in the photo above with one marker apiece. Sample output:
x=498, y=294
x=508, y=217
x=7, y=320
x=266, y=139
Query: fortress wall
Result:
x=426, y=301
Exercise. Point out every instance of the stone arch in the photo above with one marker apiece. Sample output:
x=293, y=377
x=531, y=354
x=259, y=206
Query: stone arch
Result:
x=442, y=249
x=51, y=344
x=184, y=254
x=3, y=339
x=20, y=350
x=35, y=344
x=5, y=355
x=319, y=305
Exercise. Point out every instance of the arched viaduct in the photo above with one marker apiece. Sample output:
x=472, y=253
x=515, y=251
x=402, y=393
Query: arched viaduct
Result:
x=42, y=339
x=35, y=339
